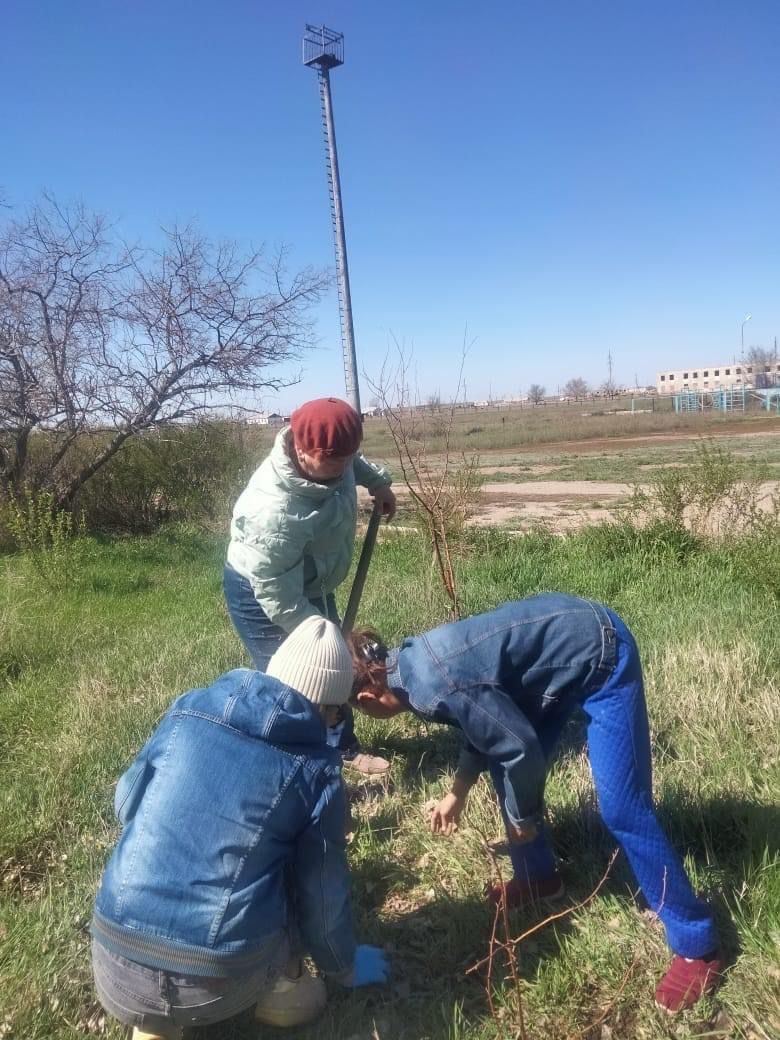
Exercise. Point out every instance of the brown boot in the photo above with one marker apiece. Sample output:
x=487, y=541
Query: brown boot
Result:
x=367, y=765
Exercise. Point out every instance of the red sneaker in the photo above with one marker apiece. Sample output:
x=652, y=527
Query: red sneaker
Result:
x=688, y=980
x=524, y=893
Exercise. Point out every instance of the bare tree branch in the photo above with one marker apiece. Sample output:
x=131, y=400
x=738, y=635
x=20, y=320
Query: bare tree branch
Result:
x=99, y=336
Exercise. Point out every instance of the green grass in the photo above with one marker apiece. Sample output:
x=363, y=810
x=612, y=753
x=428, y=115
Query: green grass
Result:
x=757, y=452
x=86, y=673
x=497, y=430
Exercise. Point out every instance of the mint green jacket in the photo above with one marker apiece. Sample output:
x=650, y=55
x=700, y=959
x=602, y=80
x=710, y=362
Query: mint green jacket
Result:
x=292, y=538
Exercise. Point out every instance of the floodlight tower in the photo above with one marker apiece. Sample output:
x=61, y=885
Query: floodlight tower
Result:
x=323, y=49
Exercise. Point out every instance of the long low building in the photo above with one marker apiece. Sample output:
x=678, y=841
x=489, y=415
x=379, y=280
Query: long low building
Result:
x=712, y=377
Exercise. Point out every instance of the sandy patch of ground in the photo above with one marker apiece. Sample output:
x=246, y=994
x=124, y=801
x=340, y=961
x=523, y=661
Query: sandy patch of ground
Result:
x=558, y=516
x=561, y=505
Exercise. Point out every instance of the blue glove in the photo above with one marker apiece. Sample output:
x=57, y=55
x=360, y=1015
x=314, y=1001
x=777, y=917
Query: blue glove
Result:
x=371, y=967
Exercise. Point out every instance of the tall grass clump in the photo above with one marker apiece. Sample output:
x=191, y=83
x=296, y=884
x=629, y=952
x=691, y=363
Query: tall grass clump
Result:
x=50, y=540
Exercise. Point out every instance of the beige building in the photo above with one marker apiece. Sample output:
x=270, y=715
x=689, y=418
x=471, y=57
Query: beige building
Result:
x=710, y=377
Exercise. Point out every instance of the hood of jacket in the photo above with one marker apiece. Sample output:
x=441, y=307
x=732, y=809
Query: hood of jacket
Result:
x=260, y=707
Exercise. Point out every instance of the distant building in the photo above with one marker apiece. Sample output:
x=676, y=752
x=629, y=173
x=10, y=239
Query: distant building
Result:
x=263, y=419
x=709, y=377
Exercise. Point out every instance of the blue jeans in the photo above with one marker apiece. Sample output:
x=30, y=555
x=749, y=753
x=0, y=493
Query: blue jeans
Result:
x=262, y=638
x=619, y=754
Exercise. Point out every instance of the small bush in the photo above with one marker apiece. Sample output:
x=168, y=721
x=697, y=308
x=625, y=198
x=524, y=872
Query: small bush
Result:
x=713, y=496
x=187, y=473
x=49, y=539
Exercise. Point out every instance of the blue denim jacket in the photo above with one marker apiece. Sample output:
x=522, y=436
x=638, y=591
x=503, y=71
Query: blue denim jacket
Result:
x=498, y=676
x=233, y=829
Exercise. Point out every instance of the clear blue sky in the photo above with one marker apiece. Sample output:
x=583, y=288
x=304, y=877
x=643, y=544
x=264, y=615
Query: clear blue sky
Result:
x=563, y=178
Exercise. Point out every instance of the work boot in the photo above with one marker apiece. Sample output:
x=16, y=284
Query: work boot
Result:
x=292, y=1001
x=687, y=980
x=367, y=765
x=520, y=894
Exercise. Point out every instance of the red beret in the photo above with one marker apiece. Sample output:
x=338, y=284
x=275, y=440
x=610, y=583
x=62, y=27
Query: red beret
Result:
x=327, y=426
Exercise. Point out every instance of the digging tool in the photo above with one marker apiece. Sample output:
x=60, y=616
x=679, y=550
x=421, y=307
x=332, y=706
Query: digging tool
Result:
x=362, y=570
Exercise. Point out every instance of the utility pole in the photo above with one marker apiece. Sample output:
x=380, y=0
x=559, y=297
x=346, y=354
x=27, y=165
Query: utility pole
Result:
x=323, y=49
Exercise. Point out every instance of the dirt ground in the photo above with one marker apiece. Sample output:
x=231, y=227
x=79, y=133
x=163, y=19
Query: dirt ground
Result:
x=565, y=505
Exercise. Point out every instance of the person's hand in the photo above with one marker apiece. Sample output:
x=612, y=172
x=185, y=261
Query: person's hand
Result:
x=522, y=833
x=446, y=815
x=372, y=968
x=384, y=500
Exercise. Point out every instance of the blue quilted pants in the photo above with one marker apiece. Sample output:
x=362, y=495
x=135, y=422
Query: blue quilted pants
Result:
x=619, y=753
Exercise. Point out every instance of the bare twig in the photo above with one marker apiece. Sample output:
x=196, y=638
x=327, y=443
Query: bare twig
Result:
x=443, y=495
x=615, y=997
x=509, y=950
x=554, y=917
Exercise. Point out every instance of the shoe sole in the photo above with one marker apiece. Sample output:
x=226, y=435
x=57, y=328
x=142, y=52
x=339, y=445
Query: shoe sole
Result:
x=361, y=772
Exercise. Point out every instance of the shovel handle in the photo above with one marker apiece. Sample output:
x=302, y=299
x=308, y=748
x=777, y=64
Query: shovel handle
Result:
x=362, y=570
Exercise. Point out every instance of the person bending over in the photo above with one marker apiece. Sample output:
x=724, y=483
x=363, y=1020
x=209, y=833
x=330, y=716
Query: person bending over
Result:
x=509, y=679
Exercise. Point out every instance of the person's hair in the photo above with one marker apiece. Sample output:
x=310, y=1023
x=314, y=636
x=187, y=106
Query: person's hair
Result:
x=368, y=660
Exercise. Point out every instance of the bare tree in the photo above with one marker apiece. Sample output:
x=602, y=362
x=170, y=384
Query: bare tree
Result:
x=764, y=365
x=59, y=286
x=576, y=388
x=536, y=393
x=99, y=342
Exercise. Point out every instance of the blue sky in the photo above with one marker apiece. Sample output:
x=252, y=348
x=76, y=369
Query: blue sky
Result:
x=561, y=178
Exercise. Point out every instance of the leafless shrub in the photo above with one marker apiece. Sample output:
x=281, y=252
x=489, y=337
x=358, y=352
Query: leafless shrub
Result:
x=443, y=488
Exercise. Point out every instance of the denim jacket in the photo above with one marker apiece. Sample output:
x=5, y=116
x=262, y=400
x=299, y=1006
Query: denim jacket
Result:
x=233, y=831
x=497, y=676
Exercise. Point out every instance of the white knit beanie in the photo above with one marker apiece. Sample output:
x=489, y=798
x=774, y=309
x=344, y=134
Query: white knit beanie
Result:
x=315, y=661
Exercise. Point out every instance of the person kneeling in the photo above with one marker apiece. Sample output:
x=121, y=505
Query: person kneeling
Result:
x=510, y=679
x=231, y=864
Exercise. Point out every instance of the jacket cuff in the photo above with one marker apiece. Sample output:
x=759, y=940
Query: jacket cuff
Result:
x=530, y=817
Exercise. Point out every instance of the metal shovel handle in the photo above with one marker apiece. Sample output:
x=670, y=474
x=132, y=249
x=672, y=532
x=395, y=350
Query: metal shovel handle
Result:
x=362, y=570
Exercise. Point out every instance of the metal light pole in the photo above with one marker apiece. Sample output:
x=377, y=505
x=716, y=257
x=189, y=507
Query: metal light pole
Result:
x=323, y=49
x=742, y=335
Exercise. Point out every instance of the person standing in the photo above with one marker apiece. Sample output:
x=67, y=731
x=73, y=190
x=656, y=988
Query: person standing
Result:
x=292, y=536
